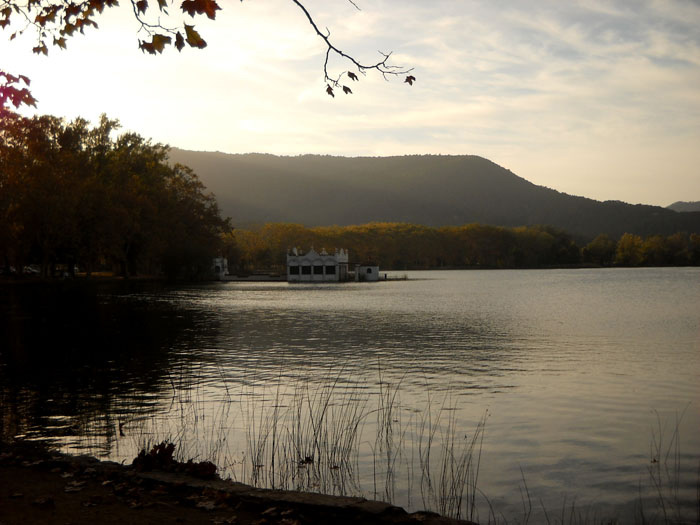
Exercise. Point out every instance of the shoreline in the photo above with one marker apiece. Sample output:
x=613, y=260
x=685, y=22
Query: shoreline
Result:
x=39, y=485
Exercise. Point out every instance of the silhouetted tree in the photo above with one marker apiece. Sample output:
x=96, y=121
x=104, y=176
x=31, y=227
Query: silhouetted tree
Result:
x=72, y=194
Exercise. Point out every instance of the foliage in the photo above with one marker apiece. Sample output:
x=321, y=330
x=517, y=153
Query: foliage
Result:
x=629, y=250
x=600, y=250
x=12, y=92
x=402, y=246
x=71, y=194
x=54, y=21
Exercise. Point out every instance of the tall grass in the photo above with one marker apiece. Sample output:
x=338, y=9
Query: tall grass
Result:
x=448, y=483
x=317, y=434
x=665, y=499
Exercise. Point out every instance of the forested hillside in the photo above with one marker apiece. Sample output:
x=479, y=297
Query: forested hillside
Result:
x=684, y=207
x=432, y=190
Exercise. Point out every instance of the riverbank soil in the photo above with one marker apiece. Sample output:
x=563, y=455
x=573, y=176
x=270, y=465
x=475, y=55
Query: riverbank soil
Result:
x=38, y=486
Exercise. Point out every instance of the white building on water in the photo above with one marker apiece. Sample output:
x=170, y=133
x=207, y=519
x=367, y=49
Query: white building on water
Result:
x=313, y=266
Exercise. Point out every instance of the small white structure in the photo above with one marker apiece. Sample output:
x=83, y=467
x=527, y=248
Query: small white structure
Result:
x=219, y=268
x=317, y=267
x=366, y=272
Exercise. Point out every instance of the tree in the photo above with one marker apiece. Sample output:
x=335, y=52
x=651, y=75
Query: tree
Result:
x=600, y=250
x=694, y=249
x=54, y=21
x=655, y=251
x=39, y=198
x=73, y=195
x=629, y=250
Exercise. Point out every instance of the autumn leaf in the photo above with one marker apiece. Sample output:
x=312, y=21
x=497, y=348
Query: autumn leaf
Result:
x=179, y=41
x=162, y=4
x=147, y=47
x=156, y=45
x=352, y=76
x=141, y=6
x=41, y=49
x=159, y=42
x=410, y=79
x=70, y=10
x=193, y=38
x=347, y=90
x=13, y=94
x=5, y=13
x=329, y=90
x=24, y=97
x=208, y=7
x=97, y=5
x=189, y=7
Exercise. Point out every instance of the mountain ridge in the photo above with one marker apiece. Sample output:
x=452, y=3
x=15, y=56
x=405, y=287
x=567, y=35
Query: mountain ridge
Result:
x=434, y=190
x=684, y=206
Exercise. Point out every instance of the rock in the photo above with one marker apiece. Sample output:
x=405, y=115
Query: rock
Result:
x=44, y=502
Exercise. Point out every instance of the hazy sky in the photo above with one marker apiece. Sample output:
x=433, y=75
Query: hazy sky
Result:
x=596, y=98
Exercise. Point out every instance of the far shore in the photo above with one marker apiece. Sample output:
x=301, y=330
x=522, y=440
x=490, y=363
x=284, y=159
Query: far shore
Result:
x=391, y=275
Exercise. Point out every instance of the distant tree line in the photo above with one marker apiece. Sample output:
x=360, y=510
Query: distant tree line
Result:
x=72, y=195
x=401, y=246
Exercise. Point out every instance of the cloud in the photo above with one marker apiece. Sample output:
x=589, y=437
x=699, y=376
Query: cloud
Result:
x=546, y=88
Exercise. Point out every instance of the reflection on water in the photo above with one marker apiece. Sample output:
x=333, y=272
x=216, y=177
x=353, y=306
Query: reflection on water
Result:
x=574, y=367
x=75, y=360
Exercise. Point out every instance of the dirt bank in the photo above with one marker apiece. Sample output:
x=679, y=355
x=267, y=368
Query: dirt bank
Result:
x=40, y=486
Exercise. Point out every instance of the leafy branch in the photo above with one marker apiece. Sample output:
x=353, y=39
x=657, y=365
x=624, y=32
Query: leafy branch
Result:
x=12, y=92
x=54, y=21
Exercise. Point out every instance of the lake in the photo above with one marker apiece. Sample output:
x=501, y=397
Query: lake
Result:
x=578, y=389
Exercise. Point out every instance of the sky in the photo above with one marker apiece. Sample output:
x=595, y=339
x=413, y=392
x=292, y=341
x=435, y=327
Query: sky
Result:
x=593, y=98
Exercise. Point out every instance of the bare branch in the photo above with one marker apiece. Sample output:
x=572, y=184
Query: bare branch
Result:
x=145, y=26
x=382, y=66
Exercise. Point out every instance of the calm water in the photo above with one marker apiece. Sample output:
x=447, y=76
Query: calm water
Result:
x=578, y=372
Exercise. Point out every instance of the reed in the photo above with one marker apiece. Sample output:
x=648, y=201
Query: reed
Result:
x=665, y=500
x=309, y=434
x=315, y=434
x=449, y=482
